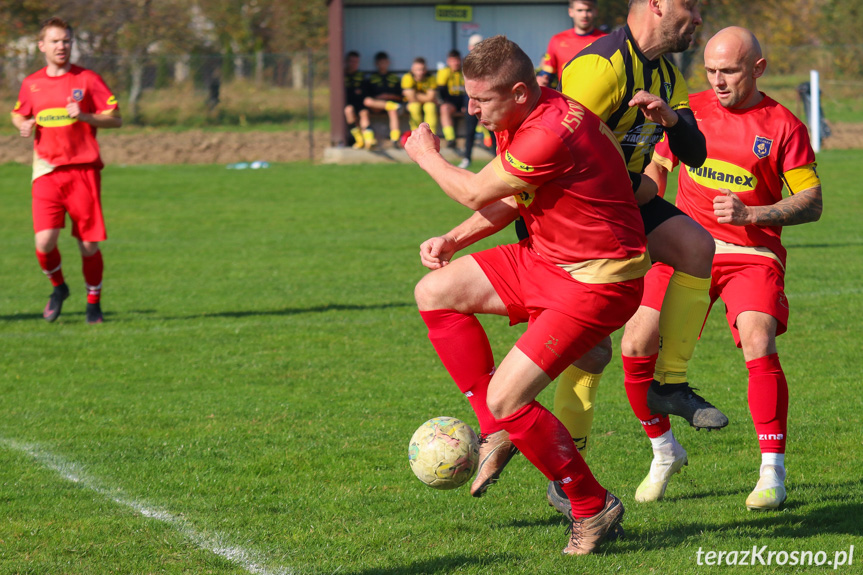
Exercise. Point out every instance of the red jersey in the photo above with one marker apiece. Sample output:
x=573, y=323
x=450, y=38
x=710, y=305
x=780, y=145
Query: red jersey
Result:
x=748, y=152
x=564, y=46
x=574, y=191
x=60, y=140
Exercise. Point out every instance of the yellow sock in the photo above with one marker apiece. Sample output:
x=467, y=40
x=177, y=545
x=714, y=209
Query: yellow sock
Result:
x=358, y=137
x=680, y=321
x=449, y=133
x=390, y=106
x=573, y=402
x=369, y=137
x=395, y=135
x=415, y=111
x=430, y=112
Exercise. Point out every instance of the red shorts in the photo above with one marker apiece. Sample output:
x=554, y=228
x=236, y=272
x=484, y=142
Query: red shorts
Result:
x=745, y=283
x=73, y=190
x=566, y=318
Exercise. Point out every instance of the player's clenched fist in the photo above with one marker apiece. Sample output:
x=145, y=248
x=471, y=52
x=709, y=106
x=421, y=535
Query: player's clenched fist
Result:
x=421, y=140
x=26, y=127
x=72, y=107
x=728, y=209
x=436, y=252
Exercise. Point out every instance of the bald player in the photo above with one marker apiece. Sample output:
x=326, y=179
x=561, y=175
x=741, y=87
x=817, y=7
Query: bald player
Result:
x=737, y=195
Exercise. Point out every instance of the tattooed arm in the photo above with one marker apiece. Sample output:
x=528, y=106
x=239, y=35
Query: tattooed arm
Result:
x=801, y=208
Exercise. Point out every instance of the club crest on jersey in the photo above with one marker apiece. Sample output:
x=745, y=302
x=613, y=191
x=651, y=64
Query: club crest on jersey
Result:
x=762, y=146
x=518, y=165
x=77, y=94
x=666, y=88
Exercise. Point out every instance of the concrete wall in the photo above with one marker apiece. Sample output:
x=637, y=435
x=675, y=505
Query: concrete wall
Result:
x=405, y=32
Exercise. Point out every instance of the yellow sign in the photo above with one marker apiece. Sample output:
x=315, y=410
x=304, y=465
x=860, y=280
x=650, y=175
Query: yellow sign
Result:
x=451, y=13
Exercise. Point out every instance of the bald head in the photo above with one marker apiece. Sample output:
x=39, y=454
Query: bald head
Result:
x=739, y=41
x=733, y=62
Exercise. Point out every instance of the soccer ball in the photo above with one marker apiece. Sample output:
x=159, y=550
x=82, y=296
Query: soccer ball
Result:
x=444, y=453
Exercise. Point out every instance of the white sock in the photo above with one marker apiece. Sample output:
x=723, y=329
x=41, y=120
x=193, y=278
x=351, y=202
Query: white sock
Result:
x=666, y=446
x=775, y=459
x=666, y=438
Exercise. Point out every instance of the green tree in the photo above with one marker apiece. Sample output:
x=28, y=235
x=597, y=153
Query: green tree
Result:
x=841, y=22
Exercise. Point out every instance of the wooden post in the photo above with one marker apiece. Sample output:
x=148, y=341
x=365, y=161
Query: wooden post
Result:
x=338, y=126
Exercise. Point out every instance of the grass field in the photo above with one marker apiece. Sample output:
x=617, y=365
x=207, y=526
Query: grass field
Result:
x=247, y=405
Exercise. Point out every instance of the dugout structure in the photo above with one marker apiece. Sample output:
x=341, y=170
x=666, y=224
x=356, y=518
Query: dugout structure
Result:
x=407, y=29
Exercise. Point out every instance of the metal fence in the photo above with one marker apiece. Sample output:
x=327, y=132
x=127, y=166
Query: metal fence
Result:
x=212, y=89
x=228, y=88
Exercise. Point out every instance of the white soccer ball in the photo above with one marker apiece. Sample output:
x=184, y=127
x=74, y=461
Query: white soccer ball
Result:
x=444, y=453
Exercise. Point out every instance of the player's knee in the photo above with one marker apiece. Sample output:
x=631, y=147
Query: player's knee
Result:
x=88, y=249
x=500, y=404
x=430, y=293
x=45, y=246
x=684, y=245
x=757, y=344
x=638, y=343
x=697, y=255
x=595, y=360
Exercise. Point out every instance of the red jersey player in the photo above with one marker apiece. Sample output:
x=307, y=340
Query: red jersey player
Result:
x=737, y=196
x=63, y=105
x=565, y=45
x=576, y=279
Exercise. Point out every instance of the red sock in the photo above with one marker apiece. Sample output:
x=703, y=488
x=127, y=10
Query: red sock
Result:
x=768, y=402
x=637, y=375
x=93, y=267
x=546, y=443
x=51, y=266
x=462, y=345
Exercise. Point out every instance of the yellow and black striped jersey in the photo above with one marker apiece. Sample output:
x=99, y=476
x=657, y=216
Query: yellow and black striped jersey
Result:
x=354, y=85
x=451, y=81
x=425, y=85
x=378, y=84
x=604, y=77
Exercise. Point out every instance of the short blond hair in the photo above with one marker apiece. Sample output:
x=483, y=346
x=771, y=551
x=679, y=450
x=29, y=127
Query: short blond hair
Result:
x=54, y=22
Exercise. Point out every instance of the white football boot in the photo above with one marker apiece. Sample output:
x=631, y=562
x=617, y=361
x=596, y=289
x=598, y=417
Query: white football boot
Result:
x=667, y=461
x=769, y=492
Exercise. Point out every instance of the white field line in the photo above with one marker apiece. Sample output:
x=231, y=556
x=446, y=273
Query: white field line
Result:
x=212, y=542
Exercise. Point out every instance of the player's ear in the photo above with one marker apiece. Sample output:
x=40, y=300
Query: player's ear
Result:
x=655, y=6
x=519, y=93
x=759, y=68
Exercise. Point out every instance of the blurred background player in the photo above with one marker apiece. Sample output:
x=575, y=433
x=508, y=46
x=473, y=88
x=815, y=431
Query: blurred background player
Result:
x=472, y=126
x=577, y=277
x=450, y=86
x=565, y=45
x=419, y=89
x=383, y=93
x=737, y=196
x=62, y=105
x=356, y=114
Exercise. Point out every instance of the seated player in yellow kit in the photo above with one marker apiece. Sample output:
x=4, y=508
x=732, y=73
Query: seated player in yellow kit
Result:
x=419, y=90
x=450, y=87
